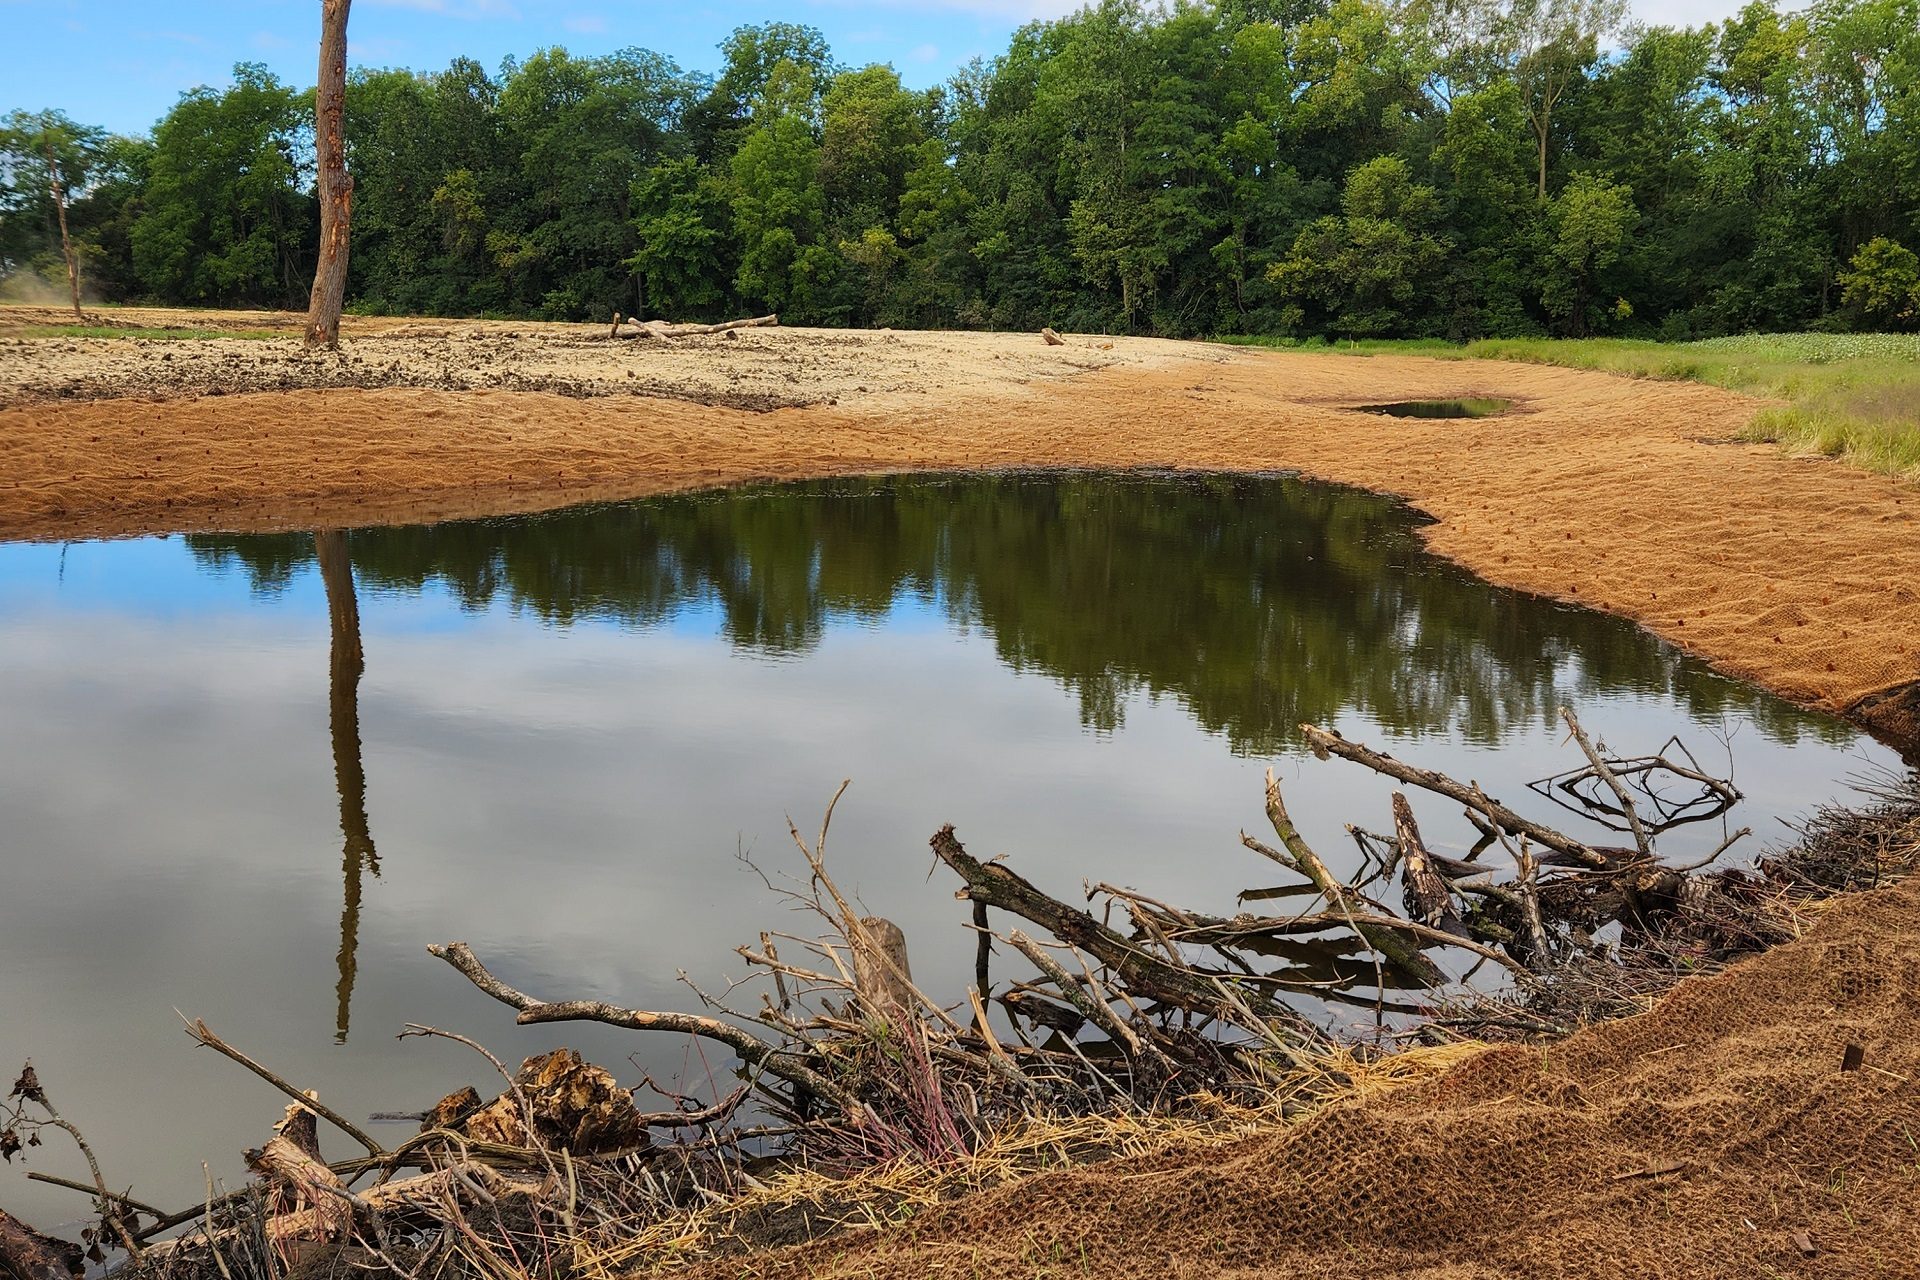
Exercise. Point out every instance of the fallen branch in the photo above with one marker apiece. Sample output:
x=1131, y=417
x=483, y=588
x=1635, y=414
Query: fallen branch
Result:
x=199, y=1030
x=1393, y=943
x=1136, y=968
x=28, y=1088
x=1325, y=744
x=752, y=1050
x=1605, y=775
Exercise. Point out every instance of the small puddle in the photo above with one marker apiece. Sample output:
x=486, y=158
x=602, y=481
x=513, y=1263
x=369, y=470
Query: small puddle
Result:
x=1469, y=408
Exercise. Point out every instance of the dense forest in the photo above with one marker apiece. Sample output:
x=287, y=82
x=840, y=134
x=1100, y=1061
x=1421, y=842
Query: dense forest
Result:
x=1456, y=168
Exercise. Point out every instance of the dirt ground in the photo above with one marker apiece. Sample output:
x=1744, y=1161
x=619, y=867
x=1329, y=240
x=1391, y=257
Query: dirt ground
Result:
x=754, y=369
x=1626, y=495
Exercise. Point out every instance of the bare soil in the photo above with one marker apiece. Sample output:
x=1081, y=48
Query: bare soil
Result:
x=1626, y=495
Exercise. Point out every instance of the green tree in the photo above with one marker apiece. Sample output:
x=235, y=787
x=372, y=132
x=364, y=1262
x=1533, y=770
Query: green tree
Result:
x=1883, y=282
x=1549, y=45
x=1591, y=220
x=579, y=130
x=1368, y=272
x=228, y=211
x=46, y=160
x=779, y=210
x=681, y=226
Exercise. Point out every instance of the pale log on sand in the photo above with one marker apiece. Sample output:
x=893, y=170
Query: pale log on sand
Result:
x=662, y=331
x=1052, y=339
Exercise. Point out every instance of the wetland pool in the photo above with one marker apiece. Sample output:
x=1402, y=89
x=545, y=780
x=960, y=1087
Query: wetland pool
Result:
x=252, y=777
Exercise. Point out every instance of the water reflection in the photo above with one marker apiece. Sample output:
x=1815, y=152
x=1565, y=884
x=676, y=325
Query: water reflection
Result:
x=1258, y=603
x=572, y=724
x=346, y=663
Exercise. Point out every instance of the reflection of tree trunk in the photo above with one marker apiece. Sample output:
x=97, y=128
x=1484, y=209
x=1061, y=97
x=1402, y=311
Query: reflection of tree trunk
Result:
x=349, y=773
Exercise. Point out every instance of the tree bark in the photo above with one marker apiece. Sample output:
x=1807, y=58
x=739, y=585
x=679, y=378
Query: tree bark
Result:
x=335, y=184
x=881, y=975
x=25, y=1254
x=1423, y=890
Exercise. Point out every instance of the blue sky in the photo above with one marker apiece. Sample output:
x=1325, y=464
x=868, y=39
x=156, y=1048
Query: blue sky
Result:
x=121, y=64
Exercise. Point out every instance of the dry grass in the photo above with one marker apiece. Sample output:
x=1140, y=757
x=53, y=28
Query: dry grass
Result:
x=803, y=1203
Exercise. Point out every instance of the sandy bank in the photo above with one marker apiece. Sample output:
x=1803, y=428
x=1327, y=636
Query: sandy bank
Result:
x=1624, y=495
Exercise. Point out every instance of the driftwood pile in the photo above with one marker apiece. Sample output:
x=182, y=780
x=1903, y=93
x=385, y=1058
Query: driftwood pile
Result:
x=1126, y=1004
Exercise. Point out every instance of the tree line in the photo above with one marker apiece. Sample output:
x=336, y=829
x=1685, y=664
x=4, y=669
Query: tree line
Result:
x=1352, y=168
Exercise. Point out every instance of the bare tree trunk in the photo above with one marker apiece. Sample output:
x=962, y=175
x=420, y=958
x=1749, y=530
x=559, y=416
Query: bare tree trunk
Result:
x=66, y=242
x=1542, y=135
x=336, y=185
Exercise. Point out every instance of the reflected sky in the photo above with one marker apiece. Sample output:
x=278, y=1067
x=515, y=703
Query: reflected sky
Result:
x=569, y=728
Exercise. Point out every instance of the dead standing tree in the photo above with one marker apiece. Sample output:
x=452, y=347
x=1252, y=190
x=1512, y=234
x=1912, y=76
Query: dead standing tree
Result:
x=335, y=183
x=58, y=190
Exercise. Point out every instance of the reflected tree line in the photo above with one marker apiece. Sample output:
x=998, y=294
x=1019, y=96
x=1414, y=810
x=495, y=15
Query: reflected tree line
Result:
x=1258, y=603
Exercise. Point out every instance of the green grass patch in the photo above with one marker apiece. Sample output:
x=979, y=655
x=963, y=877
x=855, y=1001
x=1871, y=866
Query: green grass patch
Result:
x=165, y=335
x=1852, y=396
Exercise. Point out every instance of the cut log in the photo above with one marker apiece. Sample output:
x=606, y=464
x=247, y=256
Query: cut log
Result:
x=301, y=1127
x=1052, y=339
x=881, y=977
x=309, y=1190
x=25, y=1254
x=573, y=1106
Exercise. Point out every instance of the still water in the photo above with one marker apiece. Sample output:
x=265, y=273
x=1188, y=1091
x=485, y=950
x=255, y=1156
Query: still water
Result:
x=252, y=777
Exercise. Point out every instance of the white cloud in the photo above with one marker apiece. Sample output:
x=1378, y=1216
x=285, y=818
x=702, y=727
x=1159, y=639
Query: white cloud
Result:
x=586, y=24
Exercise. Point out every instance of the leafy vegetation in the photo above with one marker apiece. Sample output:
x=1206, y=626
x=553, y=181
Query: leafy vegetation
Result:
x=1454, y=169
